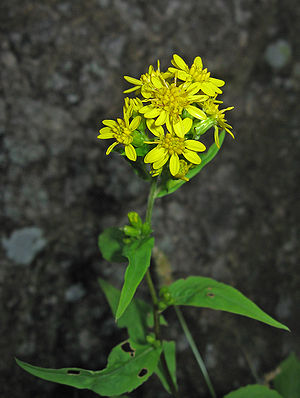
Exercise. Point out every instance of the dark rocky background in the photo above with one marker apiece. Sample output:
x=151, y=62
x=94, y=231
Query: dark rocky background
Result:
x=62, y=63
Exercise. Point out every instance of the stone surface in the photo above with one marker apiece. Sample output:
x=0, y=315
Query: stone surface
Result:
x=61, y=68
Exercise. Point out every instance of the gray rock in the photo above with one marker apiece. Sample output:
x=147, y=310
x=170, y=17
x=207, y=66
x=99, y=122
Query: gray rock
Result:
x=74, y=293
x=278, y=54
x=24, y=244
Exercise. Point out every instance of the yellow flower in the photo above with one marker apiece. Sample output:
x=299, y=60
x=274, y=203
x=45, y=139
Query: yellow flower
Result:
x=169, y=100
x=183, y=169
x=121, y=130
x=144, y=84
x=171, y=146
x=209, y=85
x=211, y=108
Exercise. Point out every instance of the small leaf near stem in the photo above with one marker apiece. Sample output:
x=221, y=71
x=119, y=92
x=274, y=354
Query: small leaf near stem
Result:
x=173, y=389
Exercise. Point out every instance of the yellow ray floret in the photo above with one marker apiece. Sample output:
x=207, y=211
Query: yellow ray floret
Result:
x=209, y=85
x=121, y=130
x=171, y=145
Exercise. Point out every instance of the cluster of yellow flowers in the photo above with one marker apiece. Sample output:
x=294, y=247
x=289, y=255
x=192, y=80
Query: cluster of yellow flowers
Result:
x=169, y=110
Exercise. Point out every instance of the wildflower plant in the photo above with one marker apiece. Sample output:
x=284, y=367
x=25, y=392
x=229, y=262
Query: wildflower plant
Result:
x=164, y=123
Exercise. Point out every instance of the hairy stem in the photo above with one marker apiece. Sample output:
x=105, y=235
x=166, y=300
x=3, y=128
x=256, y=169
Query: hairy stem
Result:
x=156, y=314
x=196, y=353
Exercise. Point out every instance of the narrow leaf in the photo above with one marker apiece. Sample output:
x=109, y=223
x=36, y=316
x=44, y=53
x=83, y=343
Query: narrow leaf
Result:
x=170, y=354
x=206, y=292
x=172, y=185
x=111, y=244
x=139, y=255
x=129, y=365
x=287, y=382
x=254, y=391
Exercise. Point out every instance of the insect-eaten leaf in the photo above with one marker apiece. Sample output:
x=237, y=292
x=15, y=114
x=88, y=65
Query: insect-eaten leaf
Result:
x=253, y=391
x=287, y=382
x=171, y=185
x=129, y=365
x=139, y=254
x=111, y=244
x=206, y=292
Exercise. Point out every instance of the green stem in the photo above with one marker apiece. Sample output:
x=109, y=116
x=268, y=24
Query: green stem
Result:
x=156, y=313
x=194, y=348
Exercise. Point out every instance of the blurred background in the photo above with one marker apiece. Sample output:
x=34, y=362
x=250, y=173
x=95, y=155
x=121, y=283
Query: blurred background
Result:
x=62, y=66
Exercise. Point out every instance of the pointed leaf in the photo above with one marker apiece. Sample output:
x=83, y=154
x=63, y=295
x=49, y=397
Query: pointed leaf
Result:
x=287, y=382
x=139, y=255
x=172, y=185
x=111, y=244
x=206, y=292
x=169, y=350
x=254, y=391
x=129, y=365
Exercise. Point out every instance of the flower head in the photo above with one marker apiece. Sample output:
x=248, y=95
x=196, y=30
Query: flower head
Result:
x=121, y=130
x=211, y=108
x=171, y=145
x=209, y=85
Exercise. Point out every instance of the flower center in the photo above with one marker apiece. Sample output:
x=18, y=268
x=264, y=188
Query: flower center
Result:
x=171, y=99
x=173, y=144
x=199, y=75
x=122, y=134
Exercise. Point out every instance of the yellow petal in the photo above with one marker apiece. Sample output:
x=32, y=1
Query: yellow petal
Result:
x=180, y=63
x=194, y=88
x=196, y=112
x=156, y=130
x=217, y=82
x=156, y=82
x=130, y=90
x=161, y=162
x=106, y=135
x=195, y=145
x=230, y=132
x=152, y=113
x=174, y=164
x=132, y=80
x=198, y=62
x=135, y=123
x=208, y=88
x=179, y=129
x=155, y=154
x=109, y=123
x=111, y=147
x=145, y=109
x=161, y=118
x=192, y=156
x=130, y=152
x=187, y=125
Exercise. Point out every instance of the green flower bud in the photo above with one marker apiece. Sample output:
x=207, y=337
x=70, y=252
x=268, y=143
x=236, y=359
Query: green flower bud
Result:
x=203, y=126
x=134, y=219
x=131, y=231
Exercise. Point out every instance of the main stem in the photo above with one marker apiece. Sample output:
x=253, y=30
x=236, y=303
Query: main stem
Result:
x=151, y=199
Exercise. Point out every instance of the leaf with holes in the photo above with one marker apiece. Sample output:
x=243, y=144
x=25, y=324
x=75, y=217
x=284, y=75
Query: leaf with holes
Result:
x=139, y=255
x=287, y=382
x=129, y=365
x=111, y=244
x=171, y=186
x=170, y=354
x=254, y=391
x=206, y=292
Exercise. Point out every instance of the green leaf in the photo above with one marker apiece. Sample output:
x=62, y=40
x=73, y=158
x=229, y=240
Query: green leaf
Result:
x=172, y=185
x=287, y=382
x=254, y=391
x=137, y=316
x=129, y=365
x=170, y=354
x=111, y=244
x=206, y=292
x=139, y=255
